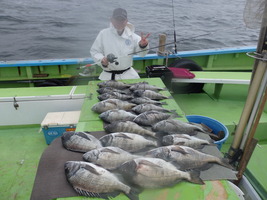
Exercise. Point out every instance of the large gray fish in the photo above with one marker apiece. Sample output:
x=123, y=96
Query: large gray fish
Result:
x=90, y=180
x=128, y=127
x=116, y=115
x=155, y=173
x=110, y=90
x=112, y=104
x=142, y=100
x=185, y=140
x=114, y=95
x=79, y=141
x=108, y=157
x=114, y=84
x=148, y=107
x=186, y=157
x=145, y=86
x=149, y=118
x=149, y=94
x=175, y=126
x=130, y=142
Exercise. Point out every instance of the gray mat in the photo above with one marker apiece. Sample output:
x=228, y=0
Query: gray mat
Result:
x=50, y=181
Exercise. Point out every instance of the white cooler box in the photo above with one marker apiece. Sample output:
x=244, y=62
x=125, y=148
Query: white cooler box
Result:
x=56, y=123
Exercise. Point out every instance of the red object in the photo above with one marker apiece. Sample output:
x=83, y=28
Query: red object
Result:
x=181, y=73
x=88, y=65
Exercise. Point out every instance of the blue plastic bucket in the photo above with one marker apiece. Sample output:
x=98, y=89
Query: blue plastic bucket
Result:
x=215, y=125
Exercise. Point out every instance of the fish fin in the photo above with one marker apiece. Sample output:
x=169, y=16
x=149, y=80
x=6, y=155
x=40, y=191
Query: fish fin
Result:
x=225, y=162
x=91, y=169
x=179, y=143
x=83, y=135
x=170, y=97
x=146, y=162
x=178, y=149
x=206, y=166
x=97, y=195
x=124, y=136
x=109, y=150
x=194, y=177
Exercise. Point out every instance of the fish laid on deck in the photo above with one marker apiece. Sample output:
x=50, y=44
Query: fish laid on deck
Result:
x=110, y=90
x=128, y=127
x=79, y=141
x=145, y=86
x=149, y=118
x=156, y=173
x=114, y=95
x=186, y=157
x=130, y=142
x=142, y=100
x=108, y=157
x=149, y=94
x=174, y=126
x=91, y=180
x=148, y=107
x=112, y=104
x=116, y=115
x=185, y=140
x=114, y=84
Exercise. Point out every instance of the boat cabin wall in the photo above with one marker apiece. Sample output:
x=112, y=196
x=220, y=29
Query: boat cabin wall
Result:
x=33, y=112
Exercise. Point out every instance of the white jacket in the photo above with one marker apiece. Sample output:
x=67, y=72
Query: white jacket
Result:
x=109, y=41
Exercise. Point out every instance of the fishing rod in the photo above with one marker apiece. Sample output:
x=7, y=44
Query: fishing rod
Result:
x=174, y=30
x=174, y=42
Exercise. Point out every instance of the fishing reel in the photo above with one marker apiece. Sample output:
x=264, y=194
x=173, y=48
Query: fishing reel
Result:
x=112, y=58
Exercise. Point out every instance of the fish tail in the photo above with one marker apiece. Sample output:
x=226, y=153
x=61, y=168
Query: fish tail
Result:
x=195, y=177
x=175, y=115
x=163, y=103
x=134, y=193
x=225, y=162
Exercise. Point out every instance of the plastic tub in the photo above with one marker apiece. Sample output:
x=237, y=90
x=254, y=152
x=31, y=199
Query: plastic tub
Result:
x=215, y=125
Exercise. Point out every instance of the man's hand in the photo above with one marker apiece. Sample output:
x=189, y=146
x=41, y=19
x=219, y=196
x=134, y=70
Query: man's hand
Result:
x=144, y=42
x=104, y=62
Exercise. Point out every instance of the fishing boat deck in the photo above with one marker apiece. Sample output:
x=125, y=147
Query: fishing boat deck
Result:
x=22, y=146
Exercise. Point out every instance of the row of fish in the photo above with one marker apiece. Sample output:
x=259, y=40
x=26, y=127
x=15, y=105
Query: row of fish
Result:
x=157, y=168
x=131, y=157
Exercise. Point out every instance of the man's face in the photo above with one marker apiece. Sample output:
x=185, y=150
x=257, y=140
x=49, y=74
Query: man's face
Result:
x=119, y=24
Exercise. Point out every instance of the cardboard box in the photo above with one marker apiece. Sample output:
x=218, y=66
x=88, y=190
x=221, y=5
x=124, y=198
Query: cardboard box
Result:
x=56, y=123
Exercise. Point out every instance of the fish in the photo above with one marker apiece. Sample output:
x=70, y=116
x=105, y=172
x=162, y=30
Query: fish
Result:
x=186, y=140
x=148, y=107
x=110, y=104
x=110, y=90
x=130, y=142
x=149, y=94
x=142, y=100
x=145, y=86
x=153, y=173
x=175, y=126
x=108, y=157
x=116, y=115
x=79, y=141
x=149, y=118
x=130, y=127
x=114, y=95
x=114, y=84
x=91, y=180
x=187, y=158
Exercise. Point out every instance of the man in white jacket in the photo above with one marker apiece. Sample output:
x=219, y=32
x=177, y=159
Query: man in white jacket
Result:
x=121, y=41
